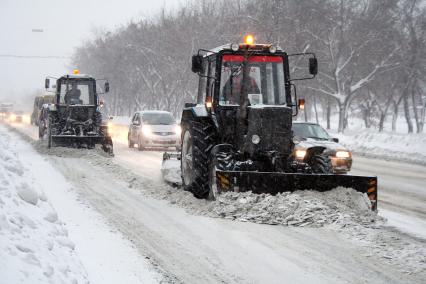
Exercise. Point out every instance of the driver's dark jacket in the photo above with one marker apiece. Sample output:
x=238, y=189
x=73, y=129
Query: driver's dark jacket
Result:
x=73, y=94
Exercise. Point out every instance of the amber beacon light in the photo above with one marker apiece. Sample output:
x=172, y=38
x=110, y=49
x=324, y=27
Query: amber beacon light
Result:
x=248, y=39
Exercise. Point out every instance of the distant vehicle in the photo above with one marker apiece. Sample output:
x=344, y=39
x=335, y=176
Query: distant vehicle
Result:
x=313, y=135
x=39, y=101
x=5, y=110
x=75, y=119
x=16, y=116
x=153, y=129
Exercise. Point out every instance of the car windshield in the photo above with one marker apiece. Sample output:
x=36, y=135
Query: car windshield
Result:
x=310, y=131
x=265, y=83
x=158, y=118
x=77, y=92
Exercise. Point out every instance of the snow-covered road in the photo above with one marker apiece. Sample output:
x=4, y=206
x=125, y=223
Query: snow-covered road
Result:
x=196, y=249
x=402, y=192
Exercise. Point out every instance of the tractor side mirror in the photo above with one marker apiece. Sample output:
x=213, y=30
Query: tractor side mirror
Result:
x=335, y=140
x=197, y=64
x=106, y=87
x=313, y=66
x=47, y=83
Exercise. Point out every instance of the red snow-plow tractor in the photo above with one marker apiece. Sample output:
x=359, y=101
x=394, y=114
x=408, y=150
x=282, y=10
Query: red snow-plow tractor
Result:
x=238, y=135
x=75, y=120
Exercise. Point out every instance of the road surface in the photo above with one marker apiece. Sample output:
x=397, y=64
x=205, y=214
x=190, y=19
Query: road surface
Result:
x=196, y=249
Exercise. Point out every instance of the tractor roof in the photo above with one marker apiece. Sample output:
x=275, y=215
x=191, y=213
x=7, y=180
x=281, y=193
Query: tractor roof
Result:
x=77, y=76
x=254, y=47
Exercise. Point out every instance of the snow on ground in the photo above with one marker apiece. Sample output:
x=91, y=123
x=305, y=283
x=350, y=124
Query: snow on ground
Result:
x=34, y=243
x=346, y=216
x=39, y=246
x=343, y=210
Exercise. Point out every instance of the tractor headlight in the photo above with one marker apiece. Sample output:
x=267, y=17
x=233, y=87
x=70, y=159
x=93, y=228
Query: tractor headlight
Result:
x=12, y=117
x=272, y=49
x=178, y=130
x=146, y=130
x=255, y=139
x=342, y=154
x=300, y=154
x=235, y=46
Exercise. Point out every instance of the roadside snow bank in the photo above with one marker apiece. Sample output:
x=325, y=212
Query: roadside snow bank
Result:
x=393, y=146
x=34, y=245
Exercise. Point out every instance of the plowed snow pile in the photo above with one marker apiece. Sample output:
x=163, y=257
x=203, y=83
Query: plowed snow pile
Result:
x=34, y=246
x=301, y=208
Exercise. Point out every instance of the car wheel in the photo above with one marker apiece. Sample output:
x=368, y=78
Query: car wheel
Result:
x=130, y=142
x=140, y=144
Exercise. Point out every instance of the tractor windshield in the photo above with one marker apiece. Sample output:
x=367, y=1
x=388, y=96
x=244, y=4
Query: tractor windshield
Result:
x=265, y=84
x=77, y=92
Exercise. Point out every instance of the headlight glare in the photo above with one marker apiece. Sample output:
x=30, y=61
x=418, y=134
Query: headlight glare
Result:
x=146, y=130
x=300, y=154
x=178, y=130
x=342, y=154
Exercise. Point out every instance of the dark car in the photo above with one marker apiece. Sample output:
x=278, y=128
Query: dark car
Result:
x=312, y=134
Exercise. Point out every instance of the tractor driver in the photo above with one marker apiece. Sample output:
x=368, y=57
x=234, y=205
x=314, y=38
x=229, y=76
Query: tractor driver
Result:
x=73, y=96
x=232, y=95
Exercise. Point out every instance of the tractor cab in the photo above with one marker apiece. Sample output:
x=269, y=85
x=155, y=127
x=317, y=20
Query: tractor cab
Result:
x=247, y=89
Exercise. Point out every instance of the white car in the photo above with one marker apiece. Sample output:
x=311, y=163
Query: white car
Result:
x=154, y=129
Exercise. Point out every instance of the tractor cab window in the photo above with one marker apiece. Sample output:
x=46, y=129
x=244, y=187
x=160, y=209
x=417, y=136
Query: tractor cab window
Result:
x=265, y=82
x=77, y=93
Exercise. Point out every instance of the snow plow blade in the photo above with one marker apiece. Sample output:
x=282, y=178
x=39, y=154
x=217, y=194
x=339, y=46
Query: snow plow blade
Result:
x=273, y=183
x=82, y=142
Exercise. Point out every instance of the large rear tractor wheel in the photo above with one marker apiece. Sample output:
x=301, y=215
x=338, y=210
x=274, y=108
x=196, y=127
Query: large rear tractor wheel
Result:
x=321, y=164
x=197, y=142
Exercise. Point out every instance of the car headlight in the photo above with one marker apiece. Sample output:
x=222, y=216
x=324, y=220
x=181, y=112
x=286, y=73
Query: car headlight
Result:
x=146, y=130
x=110, y=128
x=300, y=154
x=178, y=130
x=342, y=154
x=12, y=117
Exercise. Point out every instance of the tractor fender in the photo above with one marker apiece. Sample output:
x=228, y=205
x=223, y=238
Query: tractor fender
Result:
x=195, y=112
x=198, y=110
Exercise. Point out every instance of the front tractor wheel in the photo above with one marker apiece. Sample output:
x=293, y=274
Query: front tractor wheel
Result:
x=197, y=142
x=321, y=164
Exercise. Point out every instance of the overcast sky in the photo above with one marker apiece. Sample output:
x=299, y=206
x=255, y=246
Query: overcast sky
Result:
x=65, y=25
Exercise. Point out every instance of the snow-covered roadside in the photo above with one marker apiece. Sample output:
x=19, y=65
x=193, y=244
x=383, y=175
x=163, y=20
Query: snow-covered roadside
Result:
x=99, y=249
x=34, y=243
